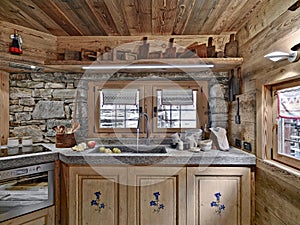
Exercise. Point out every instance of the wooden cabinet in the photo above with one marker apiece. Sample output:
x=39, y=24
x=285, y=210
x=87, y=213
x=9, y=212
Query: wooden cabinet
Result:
x=145, y=195
x=157, y=196
x=41, y=217
x=97, y=196
x=218, y=196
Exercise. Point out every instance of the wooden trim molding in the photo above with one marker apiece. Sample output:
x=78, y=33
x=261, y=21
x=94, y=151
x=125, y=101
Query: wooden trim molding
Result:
x=4, y=106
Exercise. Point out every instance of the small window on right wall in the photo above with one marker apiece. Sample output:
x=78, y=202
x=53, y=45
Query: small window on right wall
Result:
x=286, y=118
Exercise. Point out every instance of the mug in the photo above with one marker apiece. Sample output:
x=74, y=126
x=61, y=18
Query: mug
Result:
x=27, y=141
x=12, y=142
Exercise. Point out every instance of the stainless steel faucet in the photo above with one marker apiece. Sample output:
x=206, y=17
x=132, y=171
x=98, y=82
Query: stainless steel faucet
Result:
x=147, y=126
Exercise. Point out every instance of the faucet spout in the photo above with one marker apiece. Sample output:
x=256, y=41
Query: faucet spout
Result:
x=147, y=126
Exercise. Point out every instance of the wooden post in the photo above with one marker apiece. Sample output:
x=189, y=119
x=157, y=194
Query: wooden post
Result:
x=4, y=106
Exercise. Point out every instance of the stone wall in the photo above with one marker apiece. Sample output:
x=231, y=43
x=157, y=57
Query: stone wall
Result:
x=40, y=101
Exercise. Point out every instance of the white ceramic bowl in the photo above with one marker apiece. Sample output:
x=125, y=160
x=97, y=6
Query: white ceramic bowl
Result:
x=205, y=144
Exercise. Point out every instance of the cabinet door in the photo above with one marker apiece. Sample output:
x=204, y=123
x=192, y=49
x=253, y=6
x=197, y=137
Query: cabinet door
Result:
x=40, y=217
x=157, y=196
x=218, y=196
x=98, y=196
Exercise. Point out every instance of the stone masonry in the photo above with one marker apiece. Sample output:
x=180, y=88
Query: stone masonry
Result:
x=40, y=101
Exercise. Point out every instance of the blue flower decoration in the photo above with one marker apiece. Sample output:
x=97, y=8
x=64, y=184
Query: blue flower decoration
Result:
x=94, y=202
x=212, y=204
x=155, y=203
x=97, y=202
x=161, y=206
x=98, y=194
x=218, y=196
x=156, y=194
x=217, y=204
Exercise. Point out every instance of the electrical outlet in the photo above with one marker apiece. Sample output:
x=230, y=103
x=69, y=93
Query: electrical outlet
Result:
x=238, y=143
x=247, y=146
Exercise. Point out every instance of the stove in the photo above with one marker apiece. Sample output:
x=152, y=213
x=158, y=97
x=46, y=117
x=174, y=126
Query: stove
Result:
x=22, y=150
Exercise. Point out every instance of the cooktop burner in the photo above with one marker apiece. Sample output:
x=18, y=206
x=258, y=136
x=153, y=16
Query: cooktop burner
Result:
x=22, y=150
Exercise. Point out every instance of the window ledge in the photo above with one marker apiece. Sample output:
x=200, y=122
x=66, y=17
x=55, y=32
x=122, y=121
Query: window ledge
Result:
x=284, y=172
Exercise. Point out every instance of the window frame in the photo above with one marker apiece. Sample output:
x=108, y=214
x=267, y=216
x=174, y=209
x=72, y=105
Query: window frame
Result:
x=275, y=155
x=148, y=100
x=201, y=103
x=94, y=108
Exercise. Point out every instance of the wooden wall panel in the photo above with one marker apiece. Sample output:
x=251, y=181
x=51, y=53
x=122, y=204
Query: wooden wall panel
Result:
x=4, y=107
x=273, y=28
x=37, y=46
x=277, y=199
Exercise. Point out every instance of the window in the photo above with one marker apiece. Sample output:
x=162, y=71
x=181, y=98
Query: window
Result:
x=176, y=109
x=119, y=108
x=114, y=107
x=286, y=120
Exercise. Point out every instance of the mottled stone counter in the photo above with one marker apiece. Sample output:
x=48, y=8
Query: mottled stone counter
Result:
x=233, y=157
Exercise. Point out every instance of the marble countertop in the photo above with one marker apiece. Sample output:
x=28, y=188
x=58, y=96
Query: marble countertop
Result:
x=233, y=157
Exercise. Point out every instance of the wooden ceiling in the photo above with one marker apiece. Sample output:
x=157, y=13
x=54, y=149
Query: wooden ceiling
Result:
x=130, y=17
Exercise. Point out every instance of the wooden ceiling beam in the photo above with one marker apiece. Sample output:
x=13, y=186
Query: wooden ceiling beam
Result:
x=17, y=16
x=197, y=19
x=58, y=16
x=163, y=16
x=103, y=16
x=138, y=16
x=213, y=16
x=40, y=16
x=79, y=12
x=184, y=10
x=114, y=7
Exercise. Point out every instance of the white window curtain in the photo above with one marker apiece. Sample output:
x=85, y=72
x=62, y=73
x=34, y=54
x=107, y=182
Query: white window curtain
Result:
x=289, y=103
x=119, y=96
x=177, y=97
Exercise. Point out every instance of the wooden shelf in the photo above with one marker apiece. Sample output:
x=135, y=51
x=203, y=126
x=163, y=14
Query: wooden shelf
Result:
x=220, y=64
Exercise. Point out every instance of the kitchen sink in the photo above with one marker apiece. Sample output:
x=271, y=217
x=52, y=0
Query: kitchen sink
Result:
x=147, y=149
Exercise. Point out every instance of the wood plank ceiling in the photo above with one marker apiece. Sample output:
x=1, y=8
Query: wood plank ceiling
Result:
x=129, y=17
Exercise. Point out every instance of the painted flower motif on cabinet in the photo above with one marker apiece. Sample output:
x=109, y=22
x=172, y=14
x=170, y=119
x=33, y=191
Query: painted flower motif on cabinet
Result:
x=97, y=202
x=157, y=206
x=219, y=207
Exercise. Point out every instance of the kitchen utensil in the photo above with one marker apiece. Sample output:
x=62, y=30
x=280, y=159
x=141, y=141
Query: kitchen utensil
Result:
x=237, y=116
x=211, y=50
x=231, y=48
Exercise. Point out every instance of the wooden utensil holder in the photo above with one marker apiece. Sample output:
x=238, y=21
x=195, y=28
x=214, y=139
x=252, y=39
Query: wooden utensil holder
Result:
x=65, y=140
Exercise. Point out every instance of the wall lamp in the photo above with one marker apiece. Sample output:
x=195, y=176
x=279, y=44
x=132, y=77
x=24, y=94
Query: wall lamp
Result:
x=293, y=56
x=147, y=66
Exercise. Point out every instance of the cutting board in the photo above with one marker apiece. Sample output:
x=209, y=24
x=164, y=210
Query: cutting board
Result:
x=231, y=48
x=211, y=50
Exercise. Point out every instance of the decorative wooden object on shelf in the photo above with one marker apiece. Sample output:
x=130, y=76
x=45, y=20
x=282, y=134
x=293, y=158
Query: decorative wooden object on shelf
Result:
x=211, y=50
x=231, y=48
x=170, y=51
x=144, y=49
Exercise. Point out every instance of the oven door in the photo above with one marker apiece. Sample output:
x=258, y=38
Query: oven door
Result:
x=25, y=190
